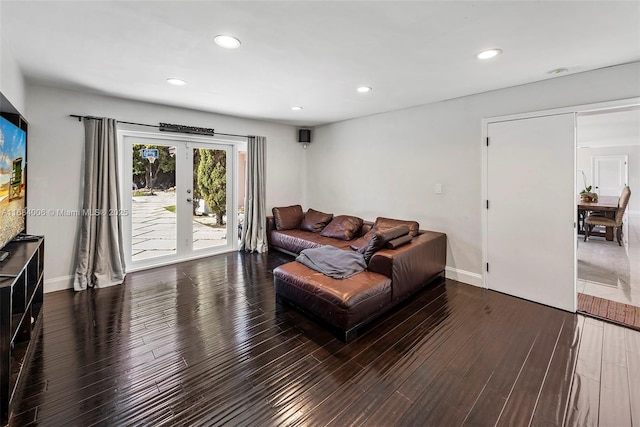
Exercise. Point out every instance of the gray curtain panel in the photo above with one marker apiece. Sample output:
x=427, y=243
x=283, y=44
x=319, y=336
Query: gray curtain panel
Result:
x=100, y=261
x=254, y=228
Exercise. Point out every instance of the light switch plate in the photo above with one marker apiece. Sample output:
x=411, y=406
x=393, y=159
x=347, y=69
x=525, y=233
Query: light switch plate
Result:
x=438, y=188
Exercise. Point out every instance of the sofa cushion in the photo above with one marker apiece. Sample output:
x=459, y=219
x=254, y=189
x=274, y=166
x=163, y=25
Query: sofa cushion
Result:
x=287, y=218
x=343, y=227
x=380, y=239
x=386, y=223
x=315, y=221
x=361, y=242
x=399, y=241
x=383, y=224
x=343, y=303
x=295, y=241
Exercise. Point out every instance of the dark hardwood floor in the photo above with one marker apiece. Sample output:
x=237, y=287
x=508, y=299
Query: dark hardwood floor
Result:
x=203, y=343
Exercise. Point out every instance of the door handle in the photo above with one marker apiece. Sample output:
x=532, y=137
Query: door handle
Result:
x=189, y=200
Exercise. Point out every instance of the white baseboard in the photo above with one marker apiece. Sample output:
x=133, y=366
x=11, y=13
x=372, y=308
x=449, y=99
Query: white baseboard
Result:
x=463, y=276
x=58, y=284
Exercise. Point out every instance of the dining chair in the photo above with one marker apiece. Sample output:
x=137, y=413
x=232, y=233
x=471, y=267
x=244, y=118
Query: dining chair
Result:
x=598, y=219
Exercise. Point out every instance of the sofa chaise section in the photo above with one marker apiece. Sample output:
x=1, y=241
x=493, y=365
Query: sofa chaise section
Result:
x=393, y=272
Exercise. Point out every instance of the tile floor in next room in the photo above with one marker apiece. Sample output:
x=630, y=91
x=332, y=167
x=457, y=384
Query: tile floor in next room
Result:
x=610, y=271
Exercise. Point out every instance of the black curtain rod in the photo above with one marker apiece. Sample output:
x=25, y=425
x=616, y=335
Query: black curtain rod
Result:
x=151, y=126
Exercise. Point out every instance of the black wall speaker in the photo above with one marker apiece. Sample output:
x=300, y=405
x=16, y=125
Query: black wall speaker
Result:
x=304, y=135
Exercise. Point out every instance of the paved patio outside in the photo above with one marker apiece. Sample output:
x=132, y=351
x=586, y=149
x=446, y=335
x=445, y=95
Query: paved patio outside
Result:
x=153, y=228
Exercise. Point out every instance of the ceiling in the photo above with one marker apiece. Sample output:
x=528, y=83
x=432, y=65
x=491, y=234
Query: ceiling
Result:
x=312, y=54
x=609, y=128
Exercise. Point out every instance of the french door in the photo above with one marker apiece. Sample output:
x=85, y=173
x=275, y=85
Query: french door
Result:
x=181, y=197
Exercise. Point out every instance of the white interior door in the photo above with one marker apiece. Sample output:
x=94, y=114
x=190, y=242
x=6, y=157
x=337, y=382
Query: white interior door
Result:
x=530, y=231
x=609, y=174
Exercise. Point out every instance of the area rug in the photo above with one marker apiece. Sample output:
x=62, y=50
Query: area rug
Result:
x=617, y=312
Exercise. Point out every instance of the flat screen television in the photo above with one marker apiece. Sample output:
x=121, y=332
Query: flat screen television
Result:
x=13, y=155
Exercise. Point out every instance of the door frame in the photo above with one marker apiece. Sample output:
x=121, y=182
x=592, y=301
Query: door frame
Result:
x=599, y=106
x=233, y=144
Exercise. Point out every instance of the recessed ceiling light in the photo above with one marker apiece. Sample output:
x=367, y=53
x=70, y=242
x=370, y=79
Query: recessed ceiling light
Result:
x=297, y=108
x=489, y=53
x=364, y=89
x=227, y=42
x=177, y=82
x=558, y=71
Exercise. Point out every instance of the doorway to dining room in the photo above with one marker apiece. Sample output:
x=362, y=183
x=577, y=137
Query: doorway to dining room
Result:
x=608, y=159
x=582, y=276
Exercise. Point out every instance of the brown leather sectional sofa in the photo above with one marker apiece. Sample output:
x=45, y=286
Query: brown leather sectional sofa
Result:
x=394, y=272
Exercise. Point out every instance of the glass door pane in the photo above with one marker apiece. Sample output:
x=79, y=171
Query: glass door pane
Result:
x=153, y=200
x=211, y=195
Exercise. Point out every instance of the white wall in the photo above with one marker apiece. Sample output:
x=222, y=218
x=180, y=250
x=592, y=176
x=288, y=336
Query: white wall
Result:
x=388, y=164
x=11, y=79
x=56, y=153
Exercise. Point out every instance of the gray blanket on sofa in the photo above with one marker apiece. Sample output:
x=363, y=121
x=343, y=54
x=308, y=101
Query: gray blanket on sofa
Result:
x=333, y=262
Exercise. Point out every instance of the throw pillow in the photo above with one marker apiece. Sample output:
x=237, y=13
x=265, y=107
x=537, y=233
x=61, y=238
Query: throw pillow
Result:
x=360, y=243
x=315, y=221
x=386, y=223
x=396, y=243
x=287, y=218
x=380, y=239
x=343, y=227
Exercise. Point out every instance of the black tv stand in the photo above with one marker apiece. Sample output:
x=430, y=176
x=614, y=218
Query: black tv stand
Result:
x=4, y=255
x=26, y=238
x=21, y=298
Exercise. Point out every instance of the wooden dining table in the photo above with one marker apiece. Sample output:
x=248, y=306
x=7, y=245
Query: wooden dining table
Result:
x=608, y=205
